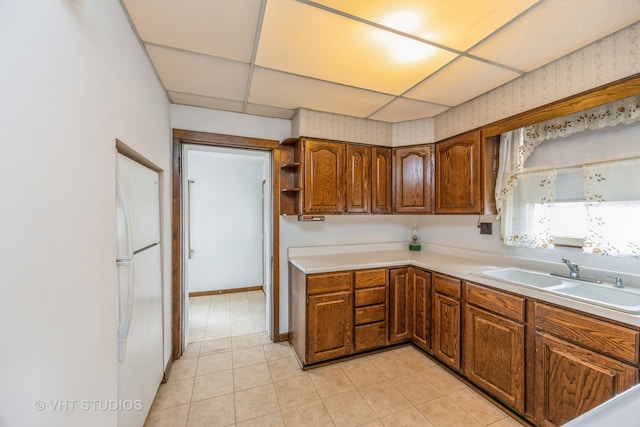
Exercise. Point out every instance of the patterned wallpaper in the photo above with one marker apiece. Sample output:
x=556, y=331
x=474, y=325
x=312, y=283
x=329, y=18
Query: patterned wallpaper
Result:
x=607, y=60
x=342, y=128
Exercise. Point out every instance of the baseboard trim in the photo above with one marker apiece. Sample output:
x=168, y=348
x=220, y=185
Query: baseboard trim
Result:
x=167, y=371
x=226, y=291
x=283, y=337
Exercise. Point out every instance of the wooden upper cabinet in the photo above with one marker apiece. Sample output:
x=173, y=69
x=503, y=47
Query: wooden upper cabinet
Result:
x=465, y=173
x=324, y=176
x=358, y=178
x=458, y=183
x=381, y=181
x=413, y=169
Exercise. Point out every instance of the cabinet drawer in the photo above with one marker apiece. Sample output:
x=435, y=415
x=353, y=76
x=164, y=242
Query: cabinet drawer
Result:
x=373, y=313
x=447, y=285
x=371, y=296
x=328, y=282
x=507, y=305
x=370, y=336
x=370, y=278
x=598, y=335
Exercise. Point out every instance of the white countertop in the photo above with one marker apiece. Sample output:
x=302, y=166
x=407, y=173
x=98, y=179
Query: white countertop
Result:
x=462, y=264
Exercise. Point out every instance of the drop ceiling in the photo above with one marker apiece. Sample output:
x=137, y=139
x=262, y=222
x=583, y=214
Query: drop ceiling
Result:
x=383, y=60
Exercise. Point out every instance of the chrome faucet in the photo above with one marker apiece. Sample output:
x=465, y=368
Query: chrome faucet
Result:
x=574, y=270
x=618, y=280
x=574, y=273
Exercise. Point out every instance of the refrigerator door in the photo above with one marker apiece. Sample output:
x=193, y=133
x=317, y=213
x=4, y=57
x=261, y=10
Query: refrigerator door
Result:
x=141, y=191
x=140, y=373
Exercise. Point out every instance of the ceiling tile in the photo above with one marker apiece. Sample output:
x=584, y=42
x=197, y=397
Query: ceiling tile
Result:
x=199, y=74
x=304, y=40
x=262, y=110
x=215, y=27
x=403, y=109
x=556, y=28
x=460, y=81
x=458, y=24
x=205, y=102
x=288, y=91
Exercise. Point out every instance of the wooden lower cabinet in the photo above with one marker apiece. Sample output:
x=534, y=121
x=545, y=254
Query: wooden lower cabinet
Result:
x=400, y=305
x=321, y=315
x=329, y=326
x=370, y=313
x=447, y=310
x=421, y=288
x=580, y=363
x=494, y=343
x=494, y=355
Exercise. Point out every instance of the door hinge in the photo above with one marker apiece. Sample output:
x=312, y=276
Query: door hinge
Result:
x=307, y=301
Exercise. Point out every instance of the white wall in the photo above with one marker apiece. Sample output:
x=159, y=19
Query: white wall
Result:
x=226, y=218
x=74, y=78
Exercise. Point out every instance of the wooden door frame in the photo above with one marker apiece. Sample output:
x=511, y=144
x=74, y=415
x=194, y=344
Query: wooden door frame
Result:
x=181, y=137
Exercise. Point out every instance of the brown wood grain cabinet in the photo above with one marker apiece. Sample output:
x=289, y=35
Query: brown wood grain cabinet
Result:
x=447, y=311
x=421, y=289
x=321, y=315
x=324, y=176
x=381, y=180
x=370, y=313
x=465, y=171
x=413, y=179
x=291, y=195
x=494, y=343
x=400, y=305
x=358, y=183
x=580, y=363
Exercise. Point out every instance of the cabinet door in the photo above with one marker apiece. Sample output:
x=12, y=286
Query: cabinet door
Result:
x=329, y=326
x=400, y=307
x=358, y=178
x=458, y=175
x=494, y=355
x=570, y=380
x=446, y=329
x=381, y=184
x=413, y=167
x=323, y=176
x=421, y=283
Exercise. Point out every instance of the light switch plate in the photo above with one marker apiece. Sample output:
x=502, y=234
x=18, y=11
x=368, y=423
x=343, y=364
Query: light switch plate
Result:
x=486, y=228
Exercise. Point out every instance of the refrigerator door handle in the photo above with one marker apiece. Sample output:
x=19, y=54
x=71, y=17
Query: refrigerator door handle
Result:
x=123, y=261
x=123, y=213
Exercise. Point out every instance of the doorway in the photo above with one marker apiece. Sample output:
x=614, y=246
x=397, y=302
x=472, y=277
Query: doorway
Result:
x=226, y=238
x=200, y=254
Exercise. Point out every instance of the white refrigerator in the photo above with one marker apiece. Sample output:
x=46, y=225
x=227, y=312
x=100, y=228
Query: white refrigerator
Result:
x=139, y=290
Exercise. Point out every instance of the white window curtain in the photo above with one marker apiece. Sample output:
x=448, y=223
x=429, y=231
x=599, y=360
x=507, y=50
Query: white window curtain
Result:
x=612, y=195
x=527, y=213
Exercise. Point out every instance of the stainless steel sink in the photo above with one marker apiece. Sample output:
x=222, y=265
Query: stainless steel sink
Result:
x=625, y=299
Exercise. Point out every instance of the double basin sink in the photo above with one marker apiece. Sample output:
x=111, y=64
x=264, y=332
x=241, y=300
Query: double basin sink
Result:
x=622, y=299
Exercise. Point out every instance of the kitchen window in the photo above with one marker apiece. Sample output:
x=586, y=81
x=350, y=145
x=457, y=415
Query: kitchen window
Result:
x=566, y=196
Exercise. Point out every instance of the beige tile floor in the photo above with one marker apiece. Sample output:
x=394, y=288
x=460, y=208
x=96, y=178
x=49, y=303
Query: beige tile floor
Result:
x=243, y=379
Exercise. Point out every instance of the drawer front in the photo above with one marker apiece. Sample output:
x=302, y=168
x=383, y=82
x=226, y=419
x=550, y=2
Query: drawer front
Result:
x=329, y=282
x=370, y=336
x=509, y=306
x=447, y=285
x=370, y=278
x=598, y=335
x=371, y=296
x=373, y=313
